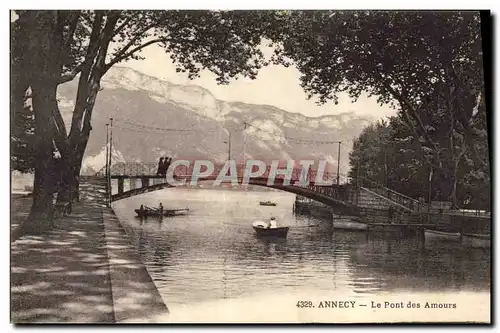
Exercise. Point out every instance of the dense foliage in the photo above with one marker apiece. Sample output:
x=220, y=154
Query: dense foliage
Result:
x=23, y=140
x=428, y=65
x=386, y=154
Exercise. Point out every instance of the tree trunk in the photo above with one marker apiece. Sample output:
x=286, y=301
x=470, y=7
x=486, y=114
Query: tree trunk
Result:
x=40, y=217
x=65, y=181
x=70, y=175
x=457, y=157
x=42, y=50
x=78, y=143
x=453, y=194
x=88, y=88
x=454, y=181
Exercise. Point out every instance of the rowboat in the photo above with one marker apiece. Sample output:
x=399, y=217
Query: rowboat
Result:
x=346, y=223
x=267, y=203
x=156, y=212
x=475, y=240
x=441, y=235
x=271, y=232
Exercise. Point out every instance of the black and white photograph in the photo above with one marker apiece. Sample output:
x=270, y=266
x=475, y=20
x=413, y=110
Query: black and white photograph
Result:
x=250, y=166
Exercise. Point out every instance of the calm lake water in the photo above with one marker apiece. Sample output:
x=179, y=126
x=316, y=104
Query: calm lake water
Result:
x=212, y=254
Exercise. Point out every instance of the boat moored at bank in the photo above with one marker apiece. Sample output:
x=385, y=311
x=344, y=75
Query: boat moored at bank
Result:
x=476, y=240
x=152, y=212
x=438, y=235
x=348, y=223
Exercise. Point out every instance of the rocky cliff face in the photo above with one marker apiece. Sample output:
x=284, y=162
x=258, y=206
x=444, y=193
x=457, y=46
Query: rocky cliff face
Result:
x=154, y=118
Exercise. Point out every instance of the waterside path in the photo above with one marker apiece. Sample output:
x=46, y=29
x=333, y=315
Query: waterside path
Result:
x=83, y=271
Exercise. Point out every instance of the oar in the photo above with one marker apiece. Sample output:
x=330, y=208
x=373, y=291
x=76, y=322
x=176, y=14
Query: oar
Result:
x=307, y=226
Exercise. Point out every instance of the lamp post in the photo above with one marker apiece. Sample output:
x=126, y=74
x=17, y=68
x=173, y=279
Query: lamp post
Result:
x=357, y=171
x=386, y=172
x=338, y=166
x=358, y=166
x=107, y=150
x=244, y=143
x=110, y=158
x=229, y=147
x=110, y=141
x=430, y=194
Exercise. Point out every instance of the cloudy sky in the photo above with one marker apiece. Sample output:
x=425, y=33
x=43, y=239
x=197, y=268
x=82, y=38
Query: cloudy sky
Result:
x=275, y=85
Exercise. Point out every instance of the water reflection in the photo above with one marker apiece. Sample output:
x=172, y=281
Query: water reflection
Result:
x=271, y=247
x=213, y=253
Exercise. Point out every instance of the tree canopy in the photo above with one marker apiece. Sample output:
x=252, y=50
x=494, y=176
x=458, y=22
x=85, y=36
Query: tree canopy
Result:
x=386, y=154
x=88, y=43
x=428, y=65
x=22, y=140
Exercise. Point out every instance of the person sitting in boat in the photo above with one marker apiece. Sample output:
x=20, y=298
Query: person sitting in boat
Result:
x=272, y=223
x=161, y=209
x=141, y=210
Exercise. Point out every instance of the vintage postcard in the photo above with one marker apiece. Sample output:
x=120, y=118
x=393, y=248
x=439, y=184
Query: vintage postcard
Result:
x=250, y=166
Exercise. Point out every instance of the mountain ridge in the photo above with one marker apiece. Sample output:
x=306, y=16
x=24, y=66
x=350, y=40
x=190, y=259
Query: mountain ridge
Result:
x=147, y=101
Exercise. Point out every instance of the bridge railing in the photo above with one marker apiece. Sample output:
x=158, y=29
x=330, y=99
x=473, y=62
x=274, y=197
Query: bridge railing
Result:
x=133, y=169
x=470, y=212
x=138, y=169
x=401, y=199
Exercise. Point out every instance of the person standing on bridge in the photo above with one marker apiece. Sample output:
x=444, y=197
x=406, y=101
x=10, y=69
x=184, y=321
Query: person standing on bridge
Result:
x=166, y=165
x=160, y=167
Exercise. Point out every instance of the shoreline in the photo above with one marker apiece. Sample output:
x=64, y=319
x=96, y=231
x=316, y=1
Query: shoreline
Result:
x=135, y=296
x=84, y=270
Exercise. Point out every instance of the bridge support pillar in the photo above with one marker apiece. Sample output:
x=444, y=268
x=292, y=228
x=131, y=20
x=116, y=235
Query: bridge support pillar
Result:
x=120, y=185
x=144, y=182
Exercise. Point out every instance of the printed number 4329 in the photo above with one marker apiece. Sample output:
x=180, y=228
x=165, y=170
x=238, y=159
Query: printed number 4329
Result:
x=305, y=304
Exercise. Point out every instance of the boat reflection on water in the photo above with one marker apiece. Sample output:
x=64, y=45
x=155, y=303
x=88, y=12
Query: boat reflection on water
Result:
x=146, y=220
x=272, y=246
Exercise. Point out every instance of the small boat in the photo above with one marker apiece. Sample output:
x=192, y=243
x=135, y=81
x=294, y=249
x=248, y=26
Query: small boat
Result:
x=346, y=223
x=156, y=212
x=268, y=203
x=271, y=232
x=441, y=235
x=475, y=240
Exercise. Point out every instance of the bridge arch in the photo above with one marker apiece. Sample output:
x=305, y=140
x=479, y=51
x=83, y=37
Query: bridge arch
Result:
x=324, y=194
